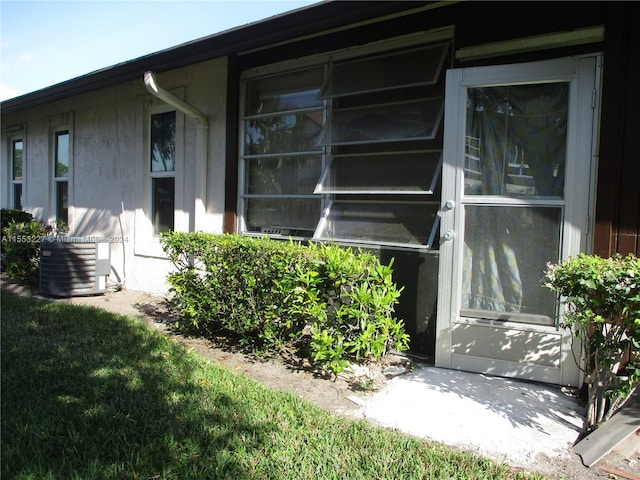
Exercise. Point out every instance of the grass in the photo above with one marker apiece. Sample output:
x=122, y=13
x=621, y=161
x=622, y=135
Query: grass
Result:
x=88, y=394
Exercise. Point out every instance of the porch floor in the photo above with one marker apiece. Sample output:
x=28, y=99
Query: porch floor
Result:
x=513, y=421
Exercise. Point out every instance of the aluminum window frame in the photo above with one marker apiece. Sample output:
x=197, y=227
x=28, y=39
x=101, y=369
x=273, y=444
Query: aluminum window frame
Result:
x=61, y=213
x=363, y=58
x=153, y=175
x=325, y=141
x=327, y=197
x=329, y=209
x=17, y=182
x=321, y=187
x=244, y=158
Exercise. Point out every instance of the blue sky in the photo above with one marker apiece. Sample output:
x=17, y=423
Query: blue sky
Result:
x=46, y=42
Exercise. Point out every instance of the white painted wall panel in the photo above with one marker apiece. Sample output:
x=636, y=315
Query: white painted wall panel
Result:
x=109, y=172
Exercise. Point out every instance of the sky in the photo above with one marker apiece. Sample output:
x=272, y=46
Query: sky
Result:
x=44, y=42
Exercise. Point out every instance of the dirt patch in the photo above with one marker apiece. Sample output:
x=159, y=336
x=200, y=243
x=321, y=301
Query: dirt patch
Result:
x=343, y=395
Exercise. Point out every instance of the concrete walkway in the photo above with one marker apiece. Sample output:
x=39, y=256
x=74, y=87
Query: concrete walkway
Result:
x=508, y=420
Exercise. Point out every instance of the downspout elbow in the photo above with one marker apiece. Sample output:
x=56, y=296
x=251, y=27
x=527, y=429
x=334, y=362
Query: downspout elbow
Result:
x=159, y=92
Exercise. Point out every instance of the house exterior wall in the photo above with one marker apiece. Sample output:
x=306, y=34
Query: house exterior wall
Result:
x=613, y=226
x=108, y=184
x=616, y=221
x=108, y=126
x=617, y=214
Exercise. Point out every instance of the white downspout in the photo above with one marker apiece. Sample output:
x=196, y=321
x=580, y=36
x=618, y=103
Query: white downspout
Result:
x=202, y=141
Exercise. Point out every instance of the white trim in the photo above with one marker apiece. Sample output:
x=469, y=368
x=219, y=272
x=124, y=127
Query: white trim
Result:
x=581, y=36
x=60, y=123
x=145, y=242
x=152, y=175
x=11, y=139
x=555, y=70
x=453, y=147
x=508, y=325
x=202, y=146
x=9, y=134
x=504, y=368
x=511, y=201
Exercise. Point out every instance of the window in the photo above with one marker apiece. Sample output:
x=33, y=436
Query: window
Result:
x=386, y=71
x=281, y=155
x=61, y=175
x=17, y=166
x=162, y=155
x=348, y=150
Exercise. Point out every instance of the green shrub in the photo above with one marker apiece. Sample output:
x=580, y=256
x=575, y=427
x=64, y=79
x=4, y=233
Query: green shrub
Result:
x=330, y=301
x=603, y=310
x=21, y=236
x=21, y=250
x=9, y=216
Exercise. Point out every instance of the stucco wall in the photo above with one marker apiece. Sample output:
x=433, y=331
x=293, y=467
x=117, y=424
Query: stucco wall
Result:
x=108, y=186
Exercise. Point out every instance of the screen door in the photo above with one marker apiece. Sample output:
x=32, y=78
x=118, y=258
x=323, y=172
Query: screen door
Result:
x=516, y=196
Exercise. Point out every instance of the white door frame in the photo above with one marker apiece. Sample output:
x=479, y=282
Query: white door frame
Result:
x=579, y=195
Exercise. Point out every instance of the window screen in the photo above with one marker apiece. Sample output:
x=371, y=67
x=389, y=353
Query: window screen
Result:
x=413, y=172
x=384, y=140
x=415, y=119
x=281, y=158
x=392, y=222
x=388, y=71
x=350, y=150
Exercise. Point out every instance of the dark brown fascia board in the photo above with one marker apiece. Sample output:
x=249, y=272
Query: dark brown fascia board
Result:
x=303, y=21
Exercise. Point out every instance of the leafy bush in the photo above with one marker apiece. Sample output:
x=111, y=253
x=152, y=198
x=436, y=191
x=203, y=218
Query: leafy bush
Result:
x=603, y=309
x=21, y=250
x=328, y=300
x=10, y=215
x=21, y=235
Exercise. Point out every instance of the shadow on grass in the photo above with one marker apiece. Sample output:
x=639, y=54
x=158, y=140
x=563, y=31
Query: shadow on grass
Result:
x=89, y=394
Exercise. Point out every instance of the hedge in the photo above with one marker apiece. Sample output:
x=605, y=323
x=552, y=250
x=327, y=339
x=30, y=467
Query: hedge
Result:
x=333, y=303
x=602, y=296
x=21, y=235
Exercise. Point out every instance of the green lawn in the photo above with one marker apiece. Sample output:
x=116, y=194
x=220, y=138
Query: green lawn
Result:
x=90, y=394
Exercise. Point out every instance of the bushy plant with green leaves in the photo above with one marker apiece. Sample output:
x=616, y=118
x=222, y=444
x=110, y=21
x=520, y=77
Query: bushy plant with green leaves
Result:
x=21, y=238
x=11, y=215
x=229, y=282
x=329, y=301
x=602, y=298
x=358, y=307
